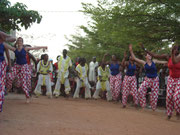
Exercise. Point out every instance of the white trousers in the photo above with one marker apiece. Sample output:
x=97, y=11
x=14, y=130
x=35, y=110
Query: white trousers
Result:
x=58, y=87
x=43, y=80
x=106, y=87
x=79, y=85
x=92, y=75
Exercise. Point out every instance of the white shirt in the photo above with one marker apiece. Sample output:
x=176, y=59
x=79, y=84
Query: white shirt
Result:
x=61, y=69
x=38, y=67
x=92, y=74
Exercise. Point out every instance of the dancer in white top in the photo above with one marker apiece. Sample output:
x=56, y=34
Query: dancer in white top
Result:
x=44, y=67
x=82, y=79
x=92, y=70
x=64, y=65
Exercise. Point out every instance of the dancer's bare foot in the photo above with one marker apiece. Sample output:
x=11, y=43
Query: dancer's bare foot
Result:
x=178, y=116
x=8, y=90
x=27, y=100
x=124, y=106
x=115, y=102
x=143, y=109
x=67, y=96
x=50, y=96
x=168, y=117
x=136, y=106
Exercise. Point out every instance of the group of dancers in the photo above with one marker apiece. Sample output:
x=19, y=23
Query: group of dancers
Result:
x=109, y=75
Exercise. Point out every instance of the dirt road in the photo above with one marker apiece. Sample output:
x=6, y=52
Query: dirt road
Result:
x=62, y=116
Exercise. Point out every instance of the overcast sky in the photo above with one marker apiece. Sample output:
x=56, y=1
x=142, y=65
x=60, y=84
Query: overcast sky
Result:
x=54, y=25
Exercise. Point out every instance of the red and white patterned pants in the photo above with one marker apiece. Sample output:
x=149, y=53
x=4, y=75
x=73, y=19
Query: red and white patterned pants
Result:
x=2, y=82
x=152, y=83
x=19, y=78
x=115, y=85
x=23, y=70
x=129, y=87
x=173, y=95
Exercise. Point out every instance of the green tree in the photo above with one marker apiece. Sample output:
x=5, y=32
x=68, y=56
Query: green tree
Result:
x=16, y=16
x=113, y=25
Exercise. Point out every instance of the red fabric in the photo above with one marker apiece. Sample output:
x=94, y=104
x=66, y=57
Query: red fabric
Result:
x=28, y=59
x=23, y=70
x=115, y=85
x=152, y=83
x=19, y=79
x=51, y=76
x=56, y=65
x=2, y=82
x=173, y=98
x=77, y=63
x=129, y=87
x=174, y=69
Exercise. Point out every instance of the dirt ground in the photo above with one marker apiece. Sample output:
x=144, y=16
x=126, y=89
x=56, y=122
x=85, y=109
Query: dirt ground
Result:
x=63, y=116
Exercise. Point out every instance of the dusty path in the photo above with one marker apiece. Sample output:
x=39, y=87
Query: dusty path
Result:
x=80, y=117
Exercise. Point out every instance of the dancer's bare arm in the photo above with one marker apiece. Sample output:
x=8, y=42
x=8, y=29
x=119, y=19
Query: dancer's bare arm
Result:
x=6, y=38
x=157, y=56
x=7, y=46
x=134, y=57
x=8, y=57
x=36, y=48
x=175, y=59
x=124, y=62
x=160, y=61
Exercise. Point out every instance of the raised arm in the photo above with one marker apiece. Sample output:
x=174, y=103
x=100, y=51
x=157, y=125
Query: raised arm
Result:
x=8, y=57
x=134, y=57
x=104, y=57
x=124, y=63
x=10, y=39
x=157, y=56
x=35, y=48
x=175, y=59
x=7, y=38
x=9, y=47
x=159, y=61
